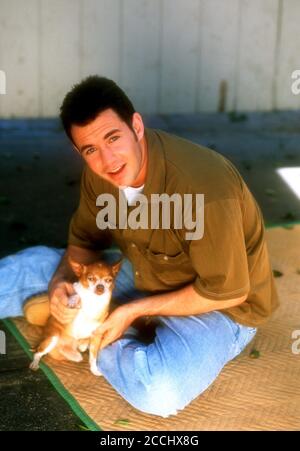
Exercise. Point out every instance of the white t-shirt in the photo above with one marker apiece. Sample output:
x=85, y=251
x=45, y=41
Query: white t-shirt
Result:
x=132, y=193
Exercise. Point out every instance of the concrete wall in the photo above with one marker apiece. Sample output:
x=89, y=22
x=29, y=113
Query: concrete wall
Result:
x=169, y=55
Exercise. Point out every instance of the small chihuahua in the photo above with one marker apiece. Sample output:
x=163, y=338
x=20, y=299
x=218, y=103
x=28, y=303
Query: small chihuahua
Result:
x=94, y=287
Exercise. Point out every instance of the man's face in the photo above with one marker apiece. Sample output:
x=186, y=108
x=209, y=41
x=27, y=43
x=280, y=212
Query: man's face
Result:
x=112, y=150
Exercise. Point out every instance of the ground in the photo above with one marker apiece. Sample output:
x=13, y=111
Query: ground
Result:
x=39, y=187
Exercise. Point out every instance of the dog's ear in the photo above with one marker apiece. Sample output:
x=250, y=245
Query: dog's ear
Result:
x=116, y=267
x=78, y=268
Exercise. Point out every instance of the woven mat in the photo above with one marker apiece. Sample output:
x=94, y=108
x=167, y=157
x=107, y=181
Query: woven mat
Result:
x=250, y=394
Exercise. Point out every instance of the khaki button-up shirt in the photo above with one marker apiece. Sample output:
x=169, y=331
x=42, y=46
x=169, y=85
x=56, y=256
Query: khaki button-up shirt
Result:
x=228, y=261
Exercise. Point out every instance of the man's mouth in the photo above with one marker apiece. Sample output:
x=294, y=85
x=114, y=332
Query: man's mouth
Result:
x=116, y=170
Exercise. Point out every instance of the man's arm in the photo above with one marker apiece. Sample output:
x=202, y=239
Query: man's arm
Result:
x=183, y=302
x=60, y=287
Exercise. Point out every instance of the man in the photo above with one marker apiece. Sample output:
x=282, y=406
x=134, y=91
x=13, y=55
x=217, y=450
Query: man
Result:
x=208, y=294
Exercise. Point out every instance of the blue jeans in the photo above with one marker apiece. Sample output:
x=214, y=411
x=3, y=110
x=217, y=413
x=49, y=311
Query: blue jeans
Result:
x=159, y=378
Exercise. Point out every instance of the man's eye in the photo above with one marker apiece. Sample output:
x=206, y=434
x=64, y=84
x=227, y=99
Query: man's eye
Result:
x=90, y=151
x=113, y=139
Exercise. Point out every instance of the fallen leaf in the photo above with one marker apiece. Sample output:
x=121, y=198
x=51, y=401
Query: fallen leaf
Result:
x=254, y=354
x=122, y=421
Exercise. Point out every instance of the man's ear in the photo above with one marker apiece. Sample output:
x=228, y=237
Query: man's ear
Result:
x=78, y=268
x=116, y=267
x=138, y=125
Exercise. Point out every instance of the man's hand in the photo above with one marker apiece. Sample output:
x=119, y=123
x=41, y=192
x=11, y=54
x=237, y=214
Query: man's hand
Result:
x=115, y=325
x=62, y=307
x=60, y=287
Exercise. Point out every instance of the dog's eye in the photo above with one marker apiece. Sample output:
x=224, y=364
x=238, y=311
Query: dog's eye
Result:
x=90, y=278
x=108, y=279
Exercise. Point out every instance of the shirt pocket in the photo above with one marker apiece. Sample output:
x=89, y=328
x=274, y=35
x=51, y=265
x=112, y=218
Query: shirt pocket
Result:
x=173, y=270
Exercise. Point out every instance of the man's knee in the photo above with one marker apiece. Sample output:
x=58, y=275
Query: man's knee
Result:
x=150, y=393
x=160, y=398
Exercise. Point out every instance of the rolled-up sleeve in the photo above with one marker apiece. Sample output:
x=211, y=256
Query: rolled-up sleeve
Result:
x=220, y=256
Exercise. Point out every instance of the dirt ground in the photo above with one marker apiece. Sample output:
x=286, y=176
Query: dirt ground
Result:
x=39, y=187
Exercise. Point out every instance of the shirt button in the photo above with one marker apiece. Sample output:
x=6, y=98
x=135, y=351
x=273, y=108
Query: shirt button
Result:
x=166, y=257
x=137, y=273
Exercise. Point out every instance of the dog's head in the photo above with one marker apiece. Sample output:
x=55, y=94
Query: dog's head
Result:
x=98, y=277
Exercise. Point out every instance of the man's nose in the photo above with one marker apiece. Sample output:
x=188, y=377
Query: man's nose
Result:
x=108, y=159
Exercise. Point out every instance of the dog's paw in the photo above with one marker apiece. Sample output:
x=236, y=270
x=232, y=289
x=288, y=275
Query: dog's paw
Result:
x=83, y=347
x=94, y=369
x=34, y=365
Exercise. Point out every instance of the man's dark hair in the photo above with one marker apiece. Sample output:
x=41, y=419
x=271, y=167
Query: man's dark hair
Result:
x=89, y=98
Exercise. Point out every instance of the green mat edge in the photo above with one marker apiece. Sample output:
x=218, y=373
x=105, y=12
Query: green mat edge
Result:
x=59, y=387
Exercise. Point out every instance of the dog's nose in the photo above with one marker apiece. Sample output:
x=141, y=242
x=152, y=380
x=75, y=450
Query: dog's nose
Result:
x=100, y=288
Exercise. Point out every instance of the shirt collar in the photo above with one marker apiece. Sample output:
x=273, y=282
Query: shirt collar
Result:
x=156, y=169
